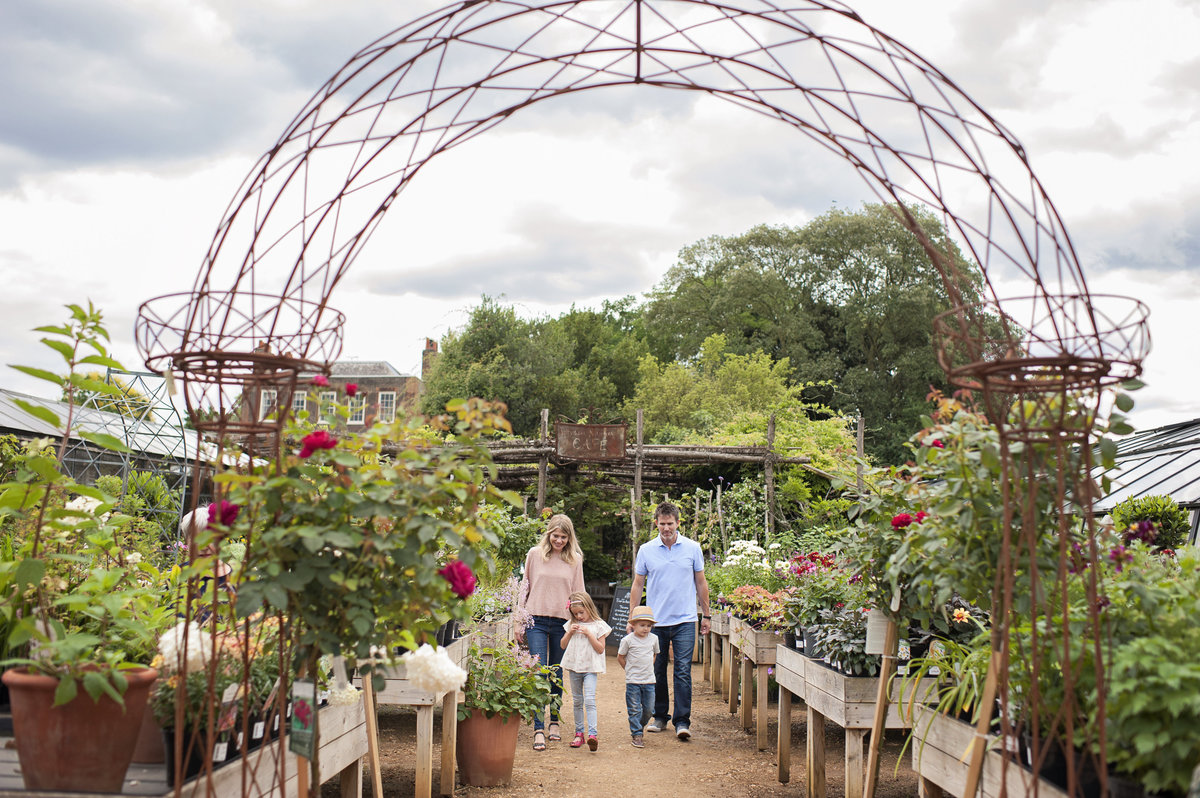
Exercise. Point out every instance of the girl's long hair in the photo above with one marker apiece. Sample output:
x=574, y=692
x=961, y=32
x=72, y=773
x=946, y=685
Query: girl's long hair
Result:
x=579, y=597
x=571, y=552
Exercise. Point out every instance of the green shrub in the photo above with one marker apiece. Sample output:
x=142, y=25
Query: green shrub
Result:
x=1170, y=519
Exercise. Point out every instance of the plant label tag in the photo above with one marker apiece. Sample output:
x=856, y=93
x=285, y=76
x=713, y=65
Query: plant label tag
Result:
x=302, y=731
x=877, y=624
x=895, y=605
x=260, y=729
x=275, y=726
x=231, y=693
x=169, y=381
x=219, y=751
x=239, y=741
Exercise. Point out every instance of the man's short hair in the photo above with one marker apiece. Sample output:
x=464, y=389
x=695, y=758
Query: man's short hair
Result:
x=666, y=508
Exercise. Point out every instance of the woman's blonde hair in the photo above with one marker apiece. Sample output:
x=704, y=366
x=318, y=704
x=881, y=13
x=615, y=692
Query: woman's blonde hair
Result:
x=572, y=550
x=579, y=597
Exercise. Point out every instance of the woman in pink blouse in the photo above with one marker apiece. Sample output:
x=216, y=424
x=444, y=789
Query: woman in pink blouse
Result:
x=553, y=571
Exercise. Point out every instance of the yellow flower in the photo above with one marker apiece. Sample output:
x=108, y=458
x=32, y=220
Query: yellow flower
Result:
x=961, y=615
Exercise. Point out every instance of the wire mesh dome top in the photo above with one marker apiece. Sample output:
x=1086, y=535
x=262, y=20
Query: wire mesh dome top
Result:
x=311, y=203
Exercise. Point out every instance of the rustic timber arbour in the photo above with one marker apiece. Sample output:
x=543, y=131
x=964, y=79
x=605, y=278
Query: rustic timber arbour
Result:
x=259, y=309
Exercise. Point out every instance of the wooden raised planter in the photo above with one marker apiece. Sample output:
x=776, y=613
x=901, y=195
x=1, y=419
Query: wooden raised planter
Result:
x=939, y=748
x=848, y=701
x=754, y=650
x=399, y=691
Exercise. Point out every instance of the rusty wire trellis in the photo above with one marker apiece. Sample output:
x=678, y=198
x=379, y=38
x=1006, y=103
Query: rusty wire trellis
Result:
x=258, y=313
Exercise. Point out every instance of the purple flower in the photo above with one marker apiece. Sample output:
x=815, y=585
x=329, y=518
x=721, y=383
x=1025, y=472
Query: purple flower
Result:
x=223, y=513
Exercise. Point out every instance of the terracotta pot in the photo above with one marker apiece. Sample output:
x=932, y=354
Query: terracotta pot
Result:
x=81, y=746
x=149, y=748
x=486, y=749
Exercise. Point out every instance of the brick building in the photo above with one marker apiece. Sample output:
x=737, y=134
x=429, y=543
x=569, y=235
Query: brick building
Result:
x=382, y=393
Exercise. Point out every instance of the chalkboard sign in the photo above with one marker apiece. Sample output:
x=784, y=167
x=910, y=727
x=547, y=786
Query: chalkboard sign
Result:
x=618, y=616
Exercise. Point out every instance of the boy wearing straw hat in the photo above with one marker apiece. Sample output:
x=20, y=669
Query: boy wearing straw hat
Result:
x=636, y=655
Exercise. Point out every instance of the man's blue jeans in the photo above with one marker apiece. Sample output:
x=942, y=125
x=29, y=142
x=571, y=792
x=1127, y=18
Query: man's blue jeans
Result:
x=545, y=642
x=680, y=639
x=639, y=701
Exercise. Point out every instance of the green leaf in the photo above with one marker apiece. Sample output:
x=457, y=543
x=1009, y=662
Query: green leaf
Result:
x=1124, y=402
x=39, y=412
x=275, y=595
x=104, y=440
x=66, y=691
x=62, y=347
x=29, y=572
x=41, y=374
x=1108, y=451
x=102, y=360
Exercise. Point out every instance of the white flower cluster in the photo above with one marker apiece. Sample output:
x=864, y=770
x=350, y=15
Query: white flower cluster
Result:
x=432, y=670
x=345, y=697
x=171, y=648
x=745, y=552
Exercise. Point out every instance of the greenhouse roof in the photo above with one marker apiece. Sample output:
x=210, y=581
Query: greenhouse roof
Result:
x=150, y=437
x=1156, y=462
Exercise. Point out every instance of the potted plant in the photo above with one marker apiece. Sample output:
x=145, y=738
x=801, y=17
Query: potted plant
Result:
x=81, y=609
x=504, y=686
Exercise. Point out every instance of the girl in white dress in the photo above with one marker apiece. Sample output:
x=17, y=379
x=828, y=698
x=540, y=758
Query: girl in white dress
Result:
x=583, y=658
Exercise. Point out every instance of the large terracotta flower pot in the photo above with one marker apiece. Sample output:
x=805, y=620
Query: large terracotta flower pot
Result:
x=486, y=749
x=81, y=746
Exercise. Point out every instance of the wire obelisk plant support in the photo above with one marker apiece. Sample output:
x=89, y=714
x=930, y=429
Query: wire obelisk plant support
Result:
x=258, y=313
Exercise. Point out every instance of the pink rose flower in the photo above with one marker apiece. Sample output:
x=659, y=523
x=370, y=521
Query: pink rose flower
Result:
x=902, y=520
x=316, y=440
x=938, y=444
x=321, y=380
x=223, y=513
x=351, y=388
x=462, y=581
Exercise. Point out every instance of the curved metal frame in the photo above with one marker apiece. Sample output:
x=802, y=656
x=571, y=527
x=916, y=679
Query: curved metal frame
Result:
x=259, y=309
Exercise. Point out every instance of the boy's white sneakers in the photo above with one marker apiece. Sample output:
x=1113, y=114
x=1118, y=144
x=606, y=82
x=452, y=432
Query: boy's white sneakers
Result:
x=655, y=726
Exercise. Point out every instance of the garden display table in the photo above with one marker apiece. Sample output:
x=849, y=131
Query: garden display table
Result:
x=754, y=650
x=399, y=691
x=848, y=701
x=937, y=749
x=718, y=650
x=342, y=747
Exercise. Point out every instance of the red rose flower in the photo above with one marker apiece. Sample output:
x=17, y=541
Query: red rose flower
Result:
x=321, y=380
x=351, y=388
x=938, y=444
x=921, y=516
x=223, y=513
x=316, y=440
x=462, y=581
x=902, y=520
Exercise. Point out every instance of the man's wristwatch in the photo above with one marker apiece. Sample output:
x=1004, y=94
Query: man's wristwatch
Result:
x=706, y=617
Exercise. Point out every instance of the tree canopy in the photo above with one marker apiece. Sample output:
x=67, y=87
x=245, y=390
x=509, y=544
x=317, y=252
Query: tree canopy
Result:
x=839, y=310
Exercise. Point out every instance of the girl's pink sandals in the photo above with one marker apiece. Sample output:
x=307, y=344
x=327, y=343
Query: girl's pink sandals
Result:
x=578, y=741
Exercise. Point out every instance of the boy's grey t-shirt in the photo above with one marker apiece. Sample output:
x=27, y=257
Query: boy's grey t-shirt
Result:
x=639, y=655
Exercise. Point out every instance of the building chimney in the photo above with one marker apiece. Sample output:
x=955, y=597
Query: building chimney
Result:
x=428, y=357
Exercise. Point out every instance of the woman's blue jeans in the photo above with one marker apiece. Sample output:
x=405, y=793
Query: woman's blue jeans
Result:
x=545, y=642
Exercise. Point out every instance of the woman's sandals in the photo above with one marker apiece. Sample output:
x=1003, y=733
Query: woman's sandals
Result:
x=539, y=740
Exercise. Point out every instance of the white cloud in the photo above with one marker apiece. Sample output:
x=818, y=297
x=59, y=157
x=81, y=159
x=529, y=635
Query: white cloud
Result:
x=139, y=120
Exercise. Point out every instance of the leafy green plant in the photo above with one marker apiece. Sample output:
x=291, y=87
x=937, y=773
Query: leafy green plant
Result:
x=842, y=634
x=1168, y=517
x=362, y=551
x=758, y=607
x=78, y=604
x=817, y=583
x=507, y=681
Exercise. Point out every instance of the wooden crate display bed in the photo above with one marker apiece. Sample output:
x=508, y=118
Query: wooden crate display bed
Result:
x=938, y=745
x=399, y=691
x=751, y=654
x=343, y=744
x=848, y=701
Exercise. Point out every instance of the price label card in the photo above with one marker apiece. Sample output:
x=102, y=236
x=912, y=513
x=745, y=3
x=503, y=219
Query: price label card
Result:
x=302, y=731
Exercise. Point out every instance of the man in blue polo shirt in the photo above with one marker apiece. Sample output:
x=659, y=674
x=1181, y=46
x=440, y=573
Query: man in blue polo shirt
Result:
x=671, y=568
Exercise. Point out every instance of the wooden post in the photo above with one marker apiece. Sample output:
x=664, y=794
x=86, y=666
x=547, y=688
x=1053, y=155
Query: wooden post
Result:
x=544, y=462
x=372, y=734
x=637, y=484
x=978, y=750
x=891, y=644
x=721, y=519
x=784, y=735
x=815, y=758
x=859, y=439
x=769, y=480
x=696, y=519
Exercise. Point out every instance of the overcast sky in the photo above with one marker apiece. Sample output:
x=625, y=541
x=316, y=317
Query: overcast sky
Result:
x=130, y=124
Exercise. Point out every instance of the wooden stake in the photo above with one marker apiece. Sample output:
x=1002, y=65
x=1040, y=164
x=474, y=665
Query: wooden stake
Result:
x=769, y=482
x=372, y=735
x=981, y=728
x=543, y=462
x=891, y=644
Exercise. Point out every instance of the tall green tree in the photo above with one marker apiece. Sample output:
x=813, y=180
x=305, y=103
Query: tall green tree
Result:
x=584, y=362
x=847, y=299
